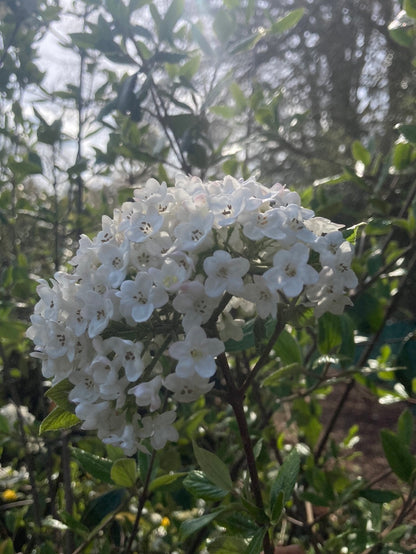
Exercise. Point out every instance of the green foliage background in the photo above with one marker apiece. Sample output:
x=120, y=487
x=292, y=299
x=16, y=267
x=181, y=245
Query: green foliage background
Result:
x=316, y=94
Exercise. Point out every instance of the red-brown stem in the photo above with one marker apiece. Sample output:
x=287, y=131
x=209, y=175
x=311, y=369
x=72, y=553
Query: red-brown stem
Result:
x=236, y=401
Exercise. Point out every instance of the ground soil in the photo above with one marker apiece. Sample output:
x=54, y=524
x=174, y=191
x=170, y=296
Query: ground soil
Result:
x=363, y=408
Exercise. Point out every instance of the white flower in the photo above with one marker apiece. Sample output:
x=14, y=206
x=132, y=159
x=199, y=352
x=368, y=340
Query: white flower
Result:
x=229, y=327
x=155, y=194
x=160, y=429
x=139, y=297
x=265, y=224
x=75, y=318
x=141, y=257
x=321, y=225
x=128, y=355
x=60, y=341
x=142, y=224
x=147, y=394
x=127, y=440
x=196, y=354
x=170, y=276
x=92, y=414
x=160, y=269
x=290, y=271
x=194, y=232
x=50, y=303
x=86, y=389
x=114, y=260
x=328, y=294
x=228, y=201
x=262, y=296
x=294, y=226
x=187, y=389
x=224, y=273
x=328, y=246
x=108, y=232
x=114, y=388
x=98, y=310
x=193, y=302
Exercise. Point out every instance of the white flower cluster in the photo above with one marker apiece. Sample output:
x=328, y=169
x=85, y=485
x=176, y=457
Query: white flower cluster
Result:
x=138, y=324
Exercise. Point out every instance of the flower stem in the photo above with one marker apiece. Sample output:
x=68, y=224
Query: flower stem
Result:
x=142, y=499
x=236, y=401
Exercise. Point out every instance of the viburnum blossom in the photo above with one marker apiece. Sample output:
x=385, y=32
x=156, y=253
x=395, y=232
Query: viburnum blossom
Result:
x=171, y=281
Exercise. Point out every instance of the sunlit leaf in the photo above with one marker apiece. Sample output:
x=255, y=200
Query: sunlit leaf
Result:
x=360, y=153
x=288, y=21
x=165, y=480
x=191, y=526
x=59, y=418
x=97, y=467
x=200, y=486
x=124, y=472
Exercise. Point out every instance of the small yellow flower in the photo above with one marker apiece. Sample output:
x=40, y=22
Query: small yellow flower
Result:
x=165, y=522
x=8, y=495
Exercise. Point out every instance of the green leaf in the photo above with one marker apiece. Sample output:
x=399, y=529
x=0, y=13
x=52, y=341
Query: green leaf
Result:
x=398, y=455
x=189, y=69
x=156, y=17
x=181, y=123
x=286, y=479
x=172, y=16
x=50, y=134
x=201, y=487
x=288, y=21
x=378, y=496
x=228, y=545
x=191, y=526
x=238, y=96
x=360, y=153
x=274, y=379
x=4, y=425
x=287, y=349
x=59, y=394
x=84, y=41
x=333, y=180
x=402, y=155
x=256, y=543
x=23, y=168
x=223, y=25
x=201, y=40
x=278, y=507
x=329, y=333
x=169, y=57
x=197, y=155
x=124, y=472
x=12, y=330
x=247, y=43
x=214, y=468
x=59, y=418
x=102, y=506
x=6, y=547
x=408, y=131
x=347, y=350
x=227, y=112
x=410, y=7
x=99, y=468
x=405, y=427
x=396, y=534
x=401, y=36
x=165, y=480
